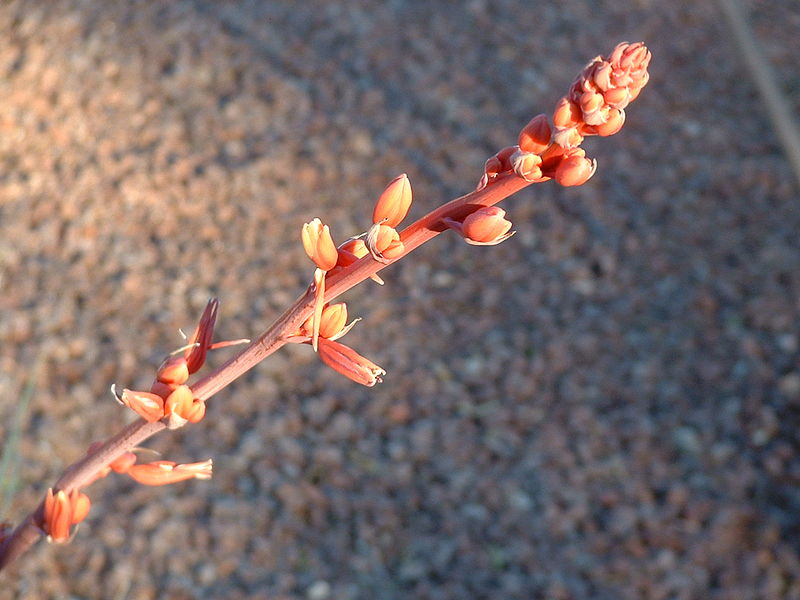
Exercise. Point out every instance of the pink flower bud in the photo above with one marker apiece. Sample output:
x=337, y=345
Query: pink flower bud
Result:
x=123, y=462
x=384, y=243
x=61, y=511
x=591, y=104
x=164, y=472
x=147, y=405
x=393, y=204
x=200, y=340
x=57, y=516
x=567, y=114
x=332, y=321
x=181, y=407
x=527, y=165
x=487, y=226
x=349, y=363
x=535, y=136
x=615, y=121
x=319, y=245
x=575, y=169
x=568, y=138
x=351, y=251
x=174, y=370
x=617, y=97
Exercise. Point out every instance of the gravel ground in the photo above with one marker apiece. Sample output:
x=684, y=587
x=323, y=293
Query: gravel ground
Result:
x=603, y=407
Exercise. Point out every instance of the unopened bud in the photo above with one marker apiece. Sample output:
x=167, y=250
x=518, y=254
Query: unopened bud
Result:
x=123, y=462
x=164, y=472
x=384, y=243
x=174, y=370
x=568, y=138
x=332, y=321
x=57, y=515
x=575, y=169
x=567, y=114
x=591, y=104
x=617, y=97
x=319, y=245
x=487, y=226
x=81, y=505
x=614, y=122
x=351, y=251
x=200, y=341
x=527, y=165
x=394, y=203
x=178, y=406
x=350, y=363
x=147, y=405
x=535, y=136
x=61, y=511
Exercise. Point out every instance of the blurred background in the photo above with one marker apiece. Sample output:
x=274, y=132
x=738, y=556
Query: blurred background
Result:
x=603, y=407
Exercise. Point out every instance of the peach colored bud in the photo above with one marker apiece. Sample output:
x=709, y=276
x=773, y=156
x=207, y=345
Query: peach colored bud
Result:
x=181, y=406
x=535, y=136
x=122, y=463
x=600, y=74
x=504, y=156
x=500, y=162
x=333, y=320
x=80, y=506
x=179, y=401
x=487, y=226
x=568, y=138
x=201, y=338
x=319, y=245
x=638, y=83
x=617, y=97
x=630, y=56
x=164, y=472
x=57, y=516
x=629, y=64
x=163, y=389
x=196, y=412
x=384, y=243
x=173, y=370
x=493, y=166
x=575, y=169
x=567, y=114
x=615, y=121
x=349, y=363
x=393, y=204
x=147, y=405
x=527, y=165
x=351, y=251
x=591, y=104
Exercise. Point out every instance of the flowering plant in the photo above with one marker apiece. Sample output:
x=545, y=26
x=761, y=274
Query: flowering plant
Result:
x=546, y=148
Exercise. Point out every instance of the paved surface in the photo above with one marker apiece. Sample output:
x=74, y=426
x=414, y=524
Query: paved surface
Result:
x=603, y=407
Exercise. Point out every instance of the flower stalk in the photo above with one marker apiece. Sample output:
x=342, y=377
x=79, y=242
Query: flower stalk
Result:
x=594, y=105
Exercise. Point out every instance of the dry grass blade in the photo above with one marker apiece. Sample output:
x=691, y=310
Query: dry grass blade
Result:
x=763, y=75
x=9, y=463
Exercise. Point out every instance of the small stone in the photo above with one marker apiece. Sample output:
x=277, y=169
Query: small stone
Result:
x=319, y=590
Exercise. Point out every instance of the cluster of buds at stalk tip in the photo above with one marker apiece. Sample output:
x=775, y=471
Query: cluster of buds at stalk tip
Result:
x=382, y=243
x=170, y=398
x=594, y=105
